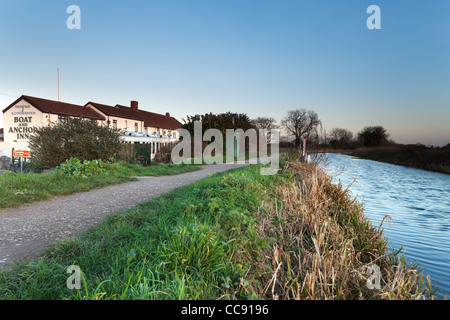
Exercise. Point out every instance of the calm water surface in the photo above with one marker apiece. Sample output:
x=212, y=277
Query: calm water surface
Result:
x=418, y=202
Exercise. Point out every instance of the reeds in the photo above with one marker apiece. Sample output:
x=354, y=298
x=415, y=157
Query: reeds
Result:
x=326, y=248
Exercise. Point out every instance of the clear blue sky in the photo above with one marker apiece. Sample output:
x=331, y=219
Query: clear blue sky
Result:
x=260, y=57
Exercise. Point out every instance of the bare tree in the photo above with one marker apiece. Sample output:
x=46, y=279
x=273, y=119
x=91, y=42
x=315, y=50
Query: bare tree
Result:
x=301, y=123
x=265, y=124
x=340, y=138
x=341, y=135
x=323, y=138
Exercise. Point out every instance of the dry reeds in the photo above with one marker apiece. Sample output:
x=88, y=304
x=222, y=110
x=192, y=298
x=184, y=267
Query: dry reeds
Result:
x=325, y=247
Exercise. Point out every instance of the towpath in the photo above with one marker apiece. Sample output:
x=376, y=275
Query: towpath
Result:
x=26, y=232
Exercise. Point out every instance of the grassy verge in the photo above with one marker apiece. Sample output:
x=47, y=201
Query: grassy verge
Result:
x=234, y=235
x=18, y=189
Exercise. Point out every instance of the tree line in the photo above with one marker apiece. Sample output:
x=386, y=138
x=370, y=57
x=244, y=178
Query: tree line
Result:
x=86, y=140
x=298, y=124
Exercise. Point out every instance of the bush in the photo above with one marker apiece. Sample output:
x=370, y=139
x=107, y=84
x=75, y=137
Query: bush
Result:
x=164, y=154
x=73, y=138
x=76, y=168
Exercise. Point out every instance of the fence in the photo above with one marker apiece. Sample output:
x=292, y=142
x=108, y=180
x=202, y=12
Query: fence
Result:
x=142, y=153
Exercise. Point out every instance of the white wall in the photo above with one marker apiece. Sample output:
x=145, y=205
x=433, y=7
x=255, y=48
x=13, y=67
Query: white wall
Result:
x=2, y=149
x=20, y=121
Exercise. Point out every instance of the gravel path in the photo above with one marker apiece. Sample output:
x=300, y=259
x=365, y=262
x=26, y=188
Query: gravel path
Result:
x=27, y=231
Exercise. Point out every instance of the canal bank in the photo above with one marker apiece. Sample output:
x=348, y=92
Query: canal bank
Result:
x=417, y=203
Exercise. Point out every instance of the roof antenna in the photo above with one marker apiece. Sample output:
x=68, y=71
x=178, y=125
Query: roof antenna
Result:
x=58, y=84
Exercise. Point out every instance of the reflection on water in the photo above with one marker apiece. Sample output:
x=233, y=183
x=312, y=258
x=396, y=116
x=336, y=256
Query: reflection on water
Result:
x=418, y=203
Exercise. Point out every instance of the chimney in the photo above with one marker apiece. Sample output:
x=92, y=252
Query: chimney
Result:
x=134, y=105
x=167, y=114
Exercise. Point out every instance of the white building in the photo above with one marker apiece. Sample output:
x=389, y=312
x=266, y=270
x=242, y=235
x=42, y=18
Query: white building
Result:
x=23, y=116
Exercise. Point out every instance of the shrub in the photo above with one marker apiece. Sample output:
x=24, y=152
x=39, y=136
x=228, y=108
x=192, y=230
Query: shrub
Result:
x=164, y=154
x=73, y=138
x=76, y=168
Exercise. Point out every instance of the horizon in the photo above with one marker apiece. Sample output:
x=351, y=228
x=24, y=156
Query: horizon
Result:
x=261, y=58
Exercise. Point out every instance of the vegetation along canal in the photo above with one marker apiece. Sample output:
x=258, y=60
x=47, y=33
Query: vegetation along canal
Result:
x=418, y=203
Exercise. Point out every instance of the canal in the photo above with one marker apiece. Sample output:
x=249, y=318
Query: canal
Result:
x=417, y=202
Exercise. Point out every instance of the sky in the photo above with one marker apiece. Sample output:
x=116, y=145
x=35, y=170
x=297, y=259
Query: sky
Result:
x=259, y=57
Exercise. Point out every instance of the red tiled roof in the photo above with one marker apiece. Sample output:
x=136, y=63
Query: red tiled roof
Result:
x=123, y=112
x=157, y=120
x=59, y=108
x=150, y=119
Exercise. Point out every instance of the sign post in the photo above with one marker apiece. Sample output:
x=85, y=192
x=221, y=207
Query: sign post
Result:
x=21, y=154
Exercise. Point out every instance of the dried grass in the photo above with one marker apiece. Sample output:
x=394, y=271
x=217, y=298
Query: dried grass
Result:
x=324, y=245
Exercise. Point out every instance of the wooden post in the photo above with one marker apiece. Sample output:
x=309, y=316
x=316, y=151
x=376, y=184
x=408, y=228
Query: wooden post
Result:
x=304, y=150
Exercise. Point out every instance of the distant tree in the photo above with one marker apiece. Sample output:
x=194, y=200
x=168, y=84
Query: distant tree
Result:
x=324, y=138
x=232, y=120
x=373, y=136
x=222, y=122
x=78, y=138
x=340, y=138
x=265, y=123
x=302, y=124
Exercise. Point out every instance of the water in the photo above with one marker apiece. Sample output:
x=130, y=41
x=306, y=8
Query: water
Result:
x=418, y=202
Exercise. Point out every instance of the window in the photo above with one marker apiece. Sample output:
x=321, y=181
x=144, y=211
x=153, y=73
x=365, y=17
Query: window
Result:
x=136, y=128
x=62, y=119
x=114, y=124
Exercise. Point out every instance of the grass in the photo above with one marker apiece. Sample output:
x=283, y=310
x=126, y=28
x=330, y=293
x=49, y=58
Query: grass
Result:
x=128, y=169
x=326, y=245
x=233, y=235
x=220, y=159
x=18, y=189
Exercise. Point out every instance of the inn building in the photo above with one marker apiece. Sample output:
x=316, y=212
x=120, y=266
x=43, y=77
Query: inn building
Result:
x=22, y=117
